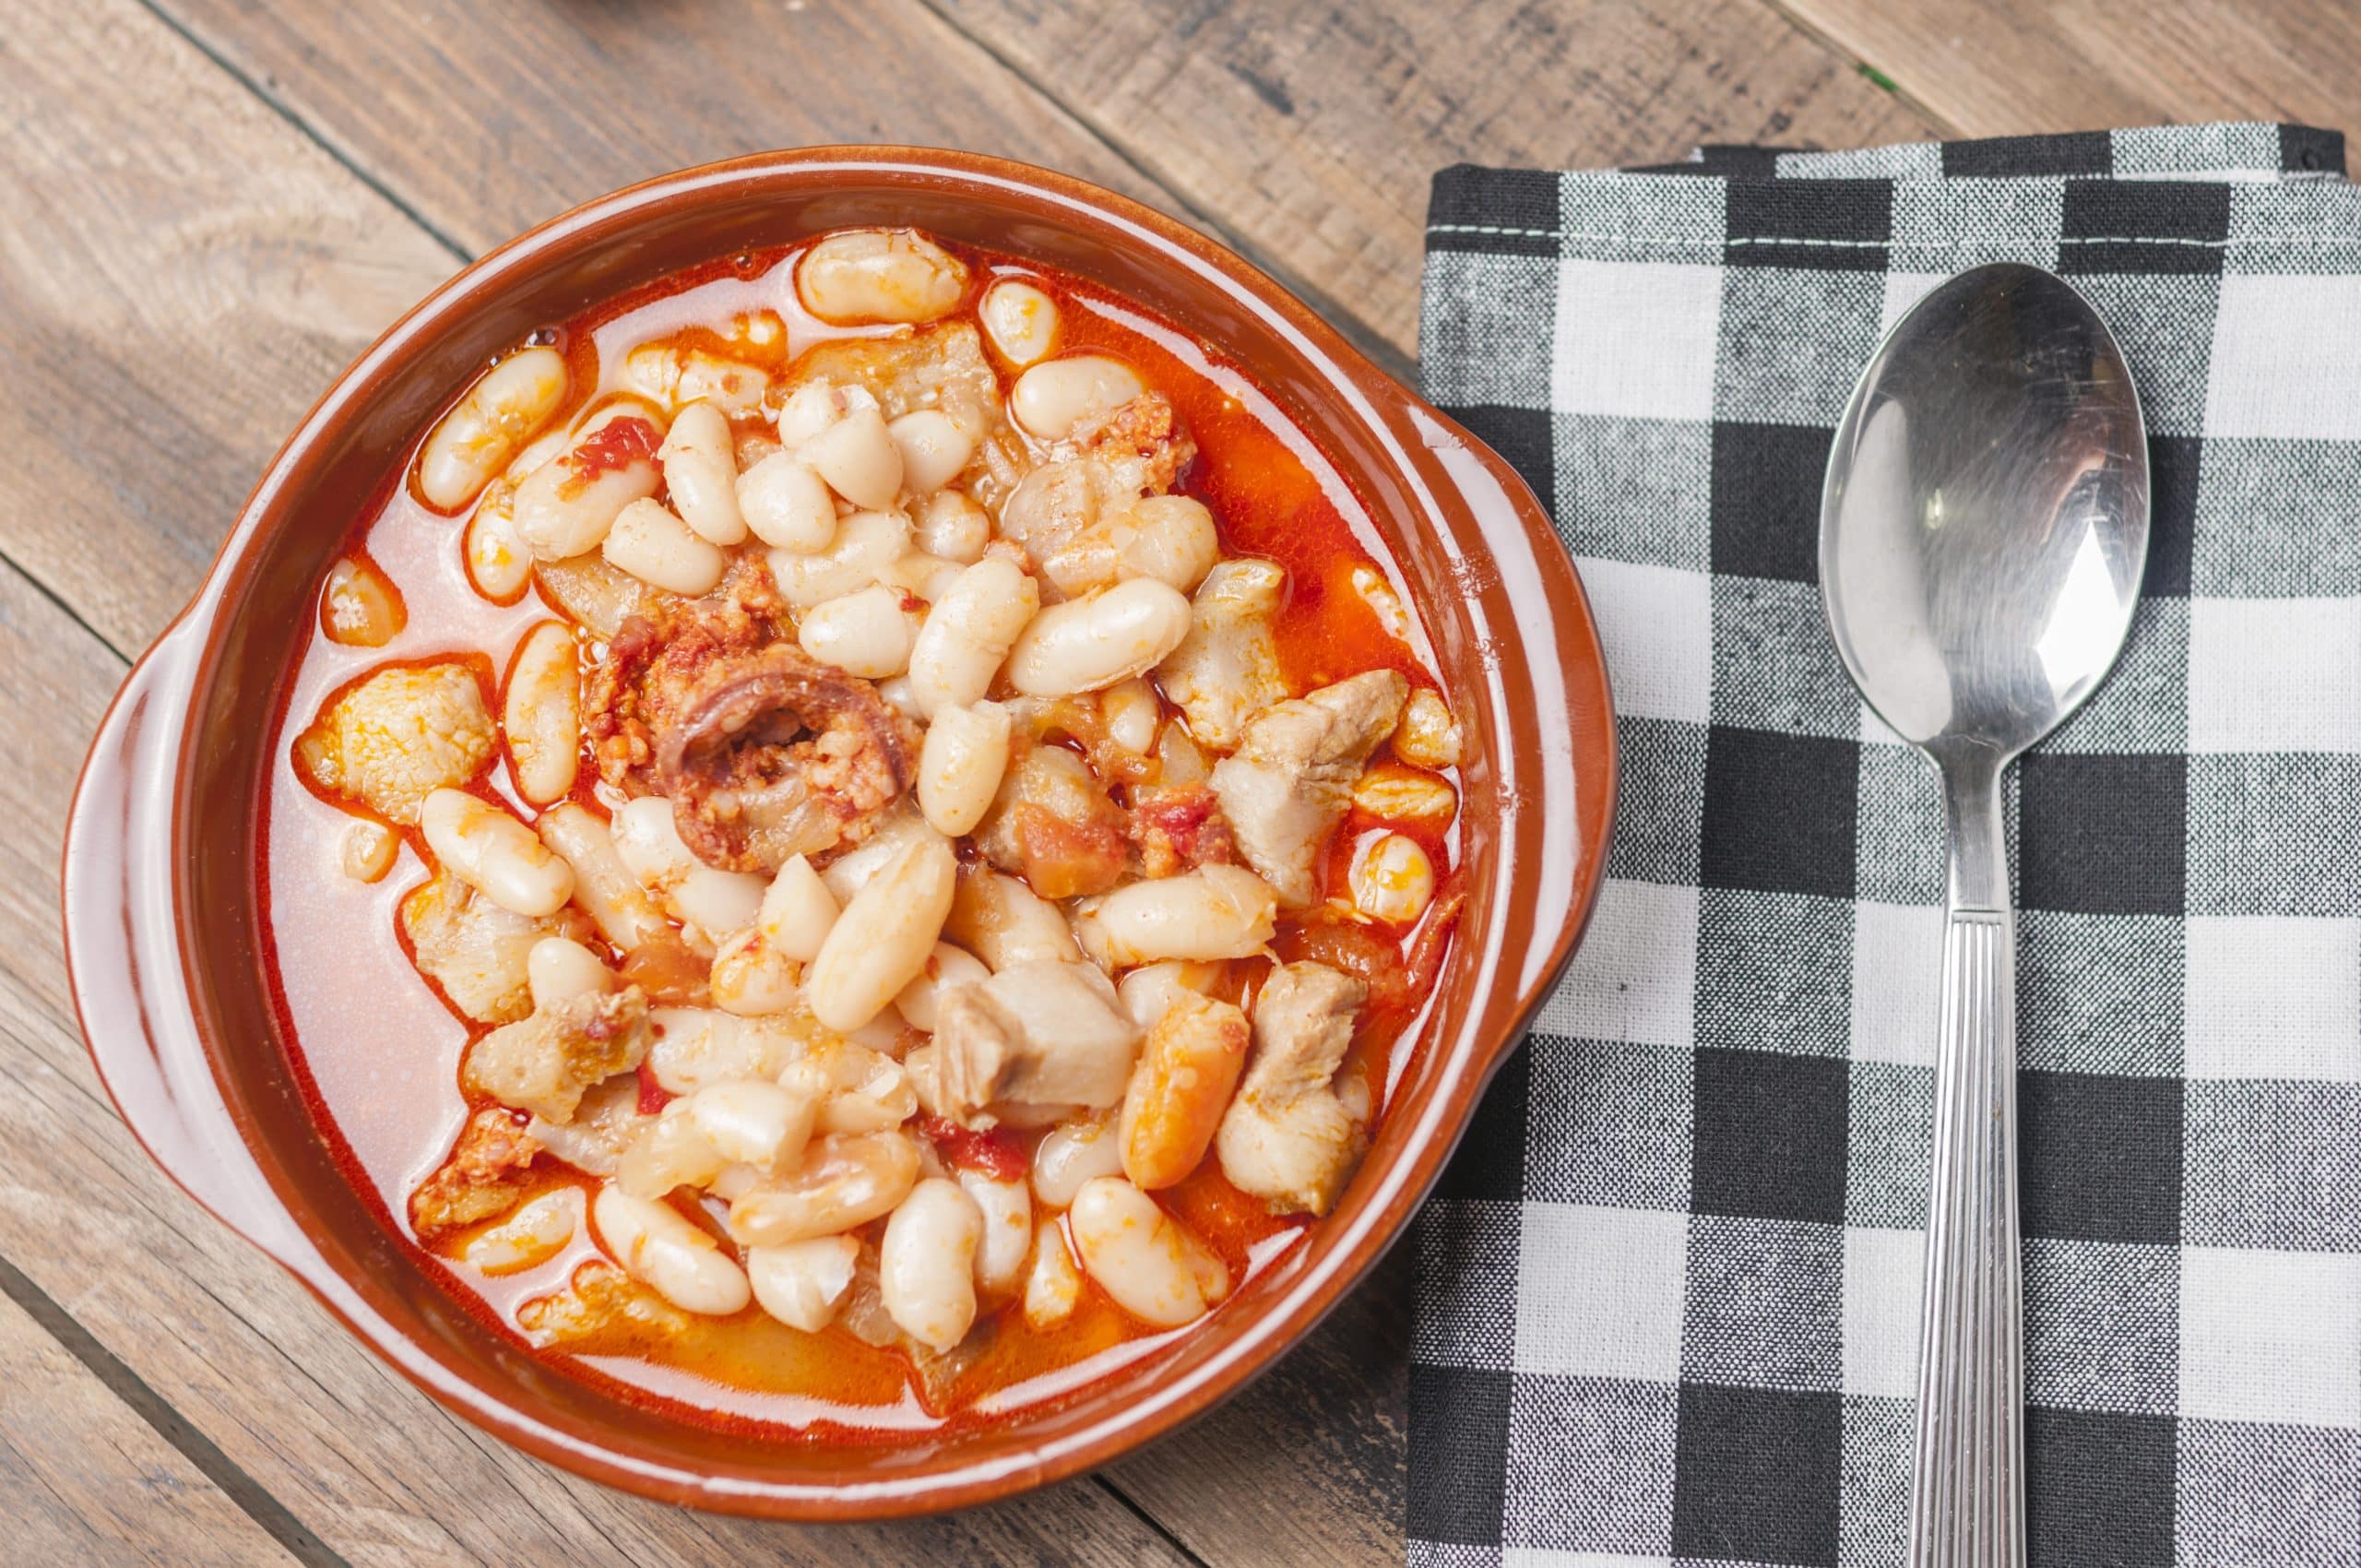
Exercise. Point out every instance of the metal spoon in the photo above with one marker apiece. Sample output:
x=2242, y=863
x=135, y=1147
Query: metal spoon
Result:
x=1981, y=541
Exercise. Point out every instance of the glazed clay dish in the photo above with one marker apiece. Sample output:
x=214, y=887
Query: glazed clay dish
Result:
x=844, y=832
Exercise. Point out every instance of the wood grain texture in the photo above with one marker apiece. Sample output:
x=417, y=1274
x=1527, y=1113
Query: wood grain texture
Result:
x=85, y=1480
x=196, y=275
x=2007, y=67
x=486, y=119
x=1311, y=129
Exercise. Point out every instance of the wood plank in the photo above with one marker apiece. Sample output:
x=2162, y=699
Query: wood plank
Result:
x=1311, y=129
x=88, y=1482
x=486, y=119
x=174, y=309
x=2006, y=67
x=370, y=1465
x=1311, y=1463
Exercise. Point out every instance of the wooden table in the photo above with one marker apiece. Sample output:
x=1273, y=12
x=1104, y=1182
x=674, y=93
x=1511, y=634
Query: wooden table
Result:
x=210, y=205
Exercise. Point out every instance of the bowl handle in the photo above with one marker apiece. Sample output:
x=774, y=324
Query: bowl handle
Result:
x=122, y=951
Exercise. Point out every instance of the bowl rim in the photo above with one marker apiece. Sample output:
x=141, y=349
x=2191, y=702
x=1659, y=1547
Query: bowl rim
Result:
x=1430, y=452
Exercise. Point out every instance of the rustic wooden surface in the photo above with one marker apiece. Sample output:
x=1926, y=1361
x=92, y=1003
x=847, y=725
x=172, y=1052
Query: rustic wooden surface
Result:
x=213, y=205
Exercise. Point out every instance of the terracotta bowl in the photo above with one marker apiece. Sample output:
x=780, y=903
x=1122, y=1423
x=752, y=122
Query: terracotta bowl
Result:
x=161, y=901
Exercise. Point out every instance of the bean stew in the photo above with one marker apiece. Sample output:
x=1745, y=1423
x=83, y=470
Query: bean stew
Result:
x=859, y=839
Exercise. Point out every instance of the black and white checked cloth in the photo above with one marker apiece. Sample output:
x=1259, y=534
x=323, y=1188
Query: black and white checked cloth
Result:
x=1668, y=1292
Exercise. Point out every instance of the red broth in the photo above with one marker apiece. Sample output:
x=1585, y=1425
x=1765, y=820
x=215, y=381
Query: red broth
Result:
x=380, y=1050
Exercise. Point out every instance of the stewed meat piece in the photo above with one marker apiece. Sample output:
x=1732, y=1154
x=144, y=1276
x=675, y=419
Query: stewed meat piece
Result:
x=1292, y=779
x=1287, y=1137
x=487, y=1174
x=546, y=1062
x=765, y=751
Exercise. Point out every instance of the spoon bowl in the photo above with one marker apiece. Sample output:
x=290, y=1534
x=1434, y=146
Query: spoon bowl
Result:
x=1986, y=519
x=1982, y=538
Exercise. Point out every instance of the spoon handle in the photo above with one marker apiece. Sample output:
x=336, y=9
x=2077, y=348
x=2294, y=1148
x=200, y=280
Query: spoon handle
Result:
x=1967, y=1490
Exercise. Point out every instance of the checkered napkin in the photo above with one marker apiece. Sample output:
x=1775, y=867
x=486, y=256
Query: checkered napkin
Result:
x=1668, y=1292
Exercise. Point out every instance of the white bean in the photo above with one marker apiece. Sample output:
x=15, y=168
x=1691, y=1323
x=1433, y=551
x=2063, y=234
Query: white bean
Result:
x=1073, y=1153
x=815, y=406
x=656, y=1244
x=787, y=505
x=881, y=941
x=660, y=550
x=649, y=843
x=1212, y=912
x=700, y=459
x=369, y=850
x=947, y=965
x=1002, y=921
x=1428, y=736
x=803, y=1283
x=865, y=547
x=559, y=968
x=1173, y=539
x=1392, y=880
x=866, y=633
x=494, y=853
x=927, y=577
x=1055, y=396
x=901, y=695
x=359, y=608
x=926, y=1264
x=954, y=526
x=1149, y=991
x=498, y=562
x=474, y=441
x=845, y=1179
x=933, y=448
x=1133, y=714
x=797, y=911
x=749, y=1121
x=858, y=275
x=1053, y=1285
x=752, y=978
x=960, y=765
x=528, y=1237
x=859, y=459
x=1085, y=644
x=1007, y=1208
x=542, y=713
x=853, y=870
x=1143, y=1258
x=969, y=632
x=603, y=885
x=564, y=507
x=1021, y=321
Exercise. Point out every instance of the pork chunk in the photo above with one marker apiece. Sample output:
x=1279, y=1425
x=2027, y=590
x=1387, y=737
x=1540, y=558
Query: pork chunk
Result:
x=1287, y=1137
x=475, y=949
x=1291, y=780
x=487, y=1175
x=1035, y=1034
x=399, y=736
x=1052, y=825
x=1226, y=670
x=605, y=1121
x=544, y=1062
